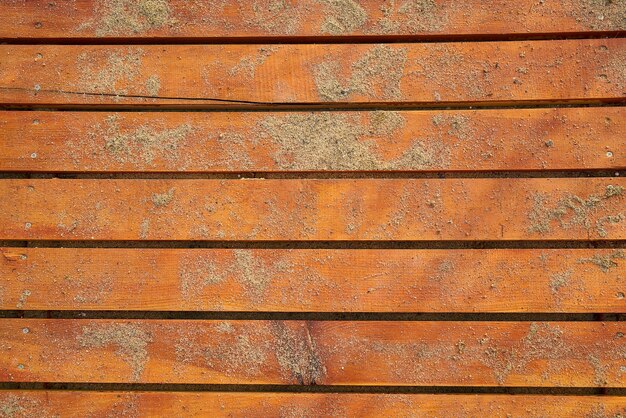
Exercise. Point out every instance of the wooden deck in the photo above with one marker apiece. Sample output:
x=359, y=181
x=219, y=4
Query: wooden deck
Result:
x=314, y=208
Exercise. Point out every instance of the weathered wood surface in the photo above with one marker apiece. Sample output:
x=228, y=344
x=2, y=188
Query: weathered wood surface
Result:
x=313, y=280
x=304, y=405
x=313, y=209
x=464, y=140
x=227, y=75
x=153, y=20
x=567, y=354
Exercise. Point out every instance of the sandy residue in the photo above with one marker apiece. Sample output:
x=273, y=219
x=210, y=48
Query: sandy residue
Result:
x=196, y=273
x=547, y=344
x=605, y=261
x=558, y=281
x=153, y=85
x=280, y=17
x=120, y=68
x=440, y=70
x=385, y=123
x=614, y=72
x=139, y=145
x=335, y=141
x=546, y=351
x=342, y=17
x=162, y=199
x=455, y=125
x=237, y=149
x=543, y=342
x=411, y=16
x=323, y=141
x=243, y=356
x=235, y=351
x=247, y=65
x=597, y=14
x=573, y=211
x=14, y=406
x=90, y=290
x=407, y=361
x=253, y=272
x=296, y=353
x=377, y=74
x=128, y=17
x=144, y=229
x=23, y=298
x=131, y=342
x=600, y=371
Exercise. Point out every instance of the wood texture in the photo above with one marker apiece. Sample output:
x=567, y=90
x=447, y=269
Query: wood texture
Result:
x=304, y=405
x=285, y=209
x=512, y=139
x=310, y=280
x=240, y=75
x=265, y=18
x=326, y=353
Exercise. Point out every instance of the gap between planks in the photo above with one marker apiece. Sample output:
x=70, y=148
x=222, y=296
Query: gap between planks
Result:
x=314, y=316
x=325, y=107
x=303, y=40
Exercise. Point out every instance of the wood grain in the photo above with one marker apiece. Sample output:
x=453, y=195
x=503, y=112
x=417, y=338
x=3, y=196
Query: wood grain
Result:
x=313, y=209
x=512, y=139
x=249, y=75
x=305, y=405
x=240, y=19
x=310, y=280
x=324, y=353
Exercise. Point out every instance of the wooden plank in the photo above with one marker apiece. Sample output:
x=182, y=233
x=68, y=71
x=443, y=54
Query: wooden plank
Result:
x=572, y=354
x=305, y=405
x=313, y=209
x=227, y=75
x=577, y=281
x=236, y=19
x=512, y=139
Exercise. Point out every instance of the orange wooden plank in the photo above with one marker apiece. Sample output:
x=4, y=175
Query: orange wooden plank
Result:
x=477, y=72
x=512, y=139
x=305, y=405
x=572, y=354
x=266, y=18
x=311, y=280
x=313, y=209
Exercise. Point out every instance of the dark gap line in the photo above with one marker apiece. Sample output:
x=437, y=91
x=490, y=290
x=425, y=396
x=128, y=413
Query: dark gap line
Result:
x=239, y=106
x=313, y=175
x=312, y=39
x=339, y=245
x=325, y=107
x=182, y=387
x=314, y=316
